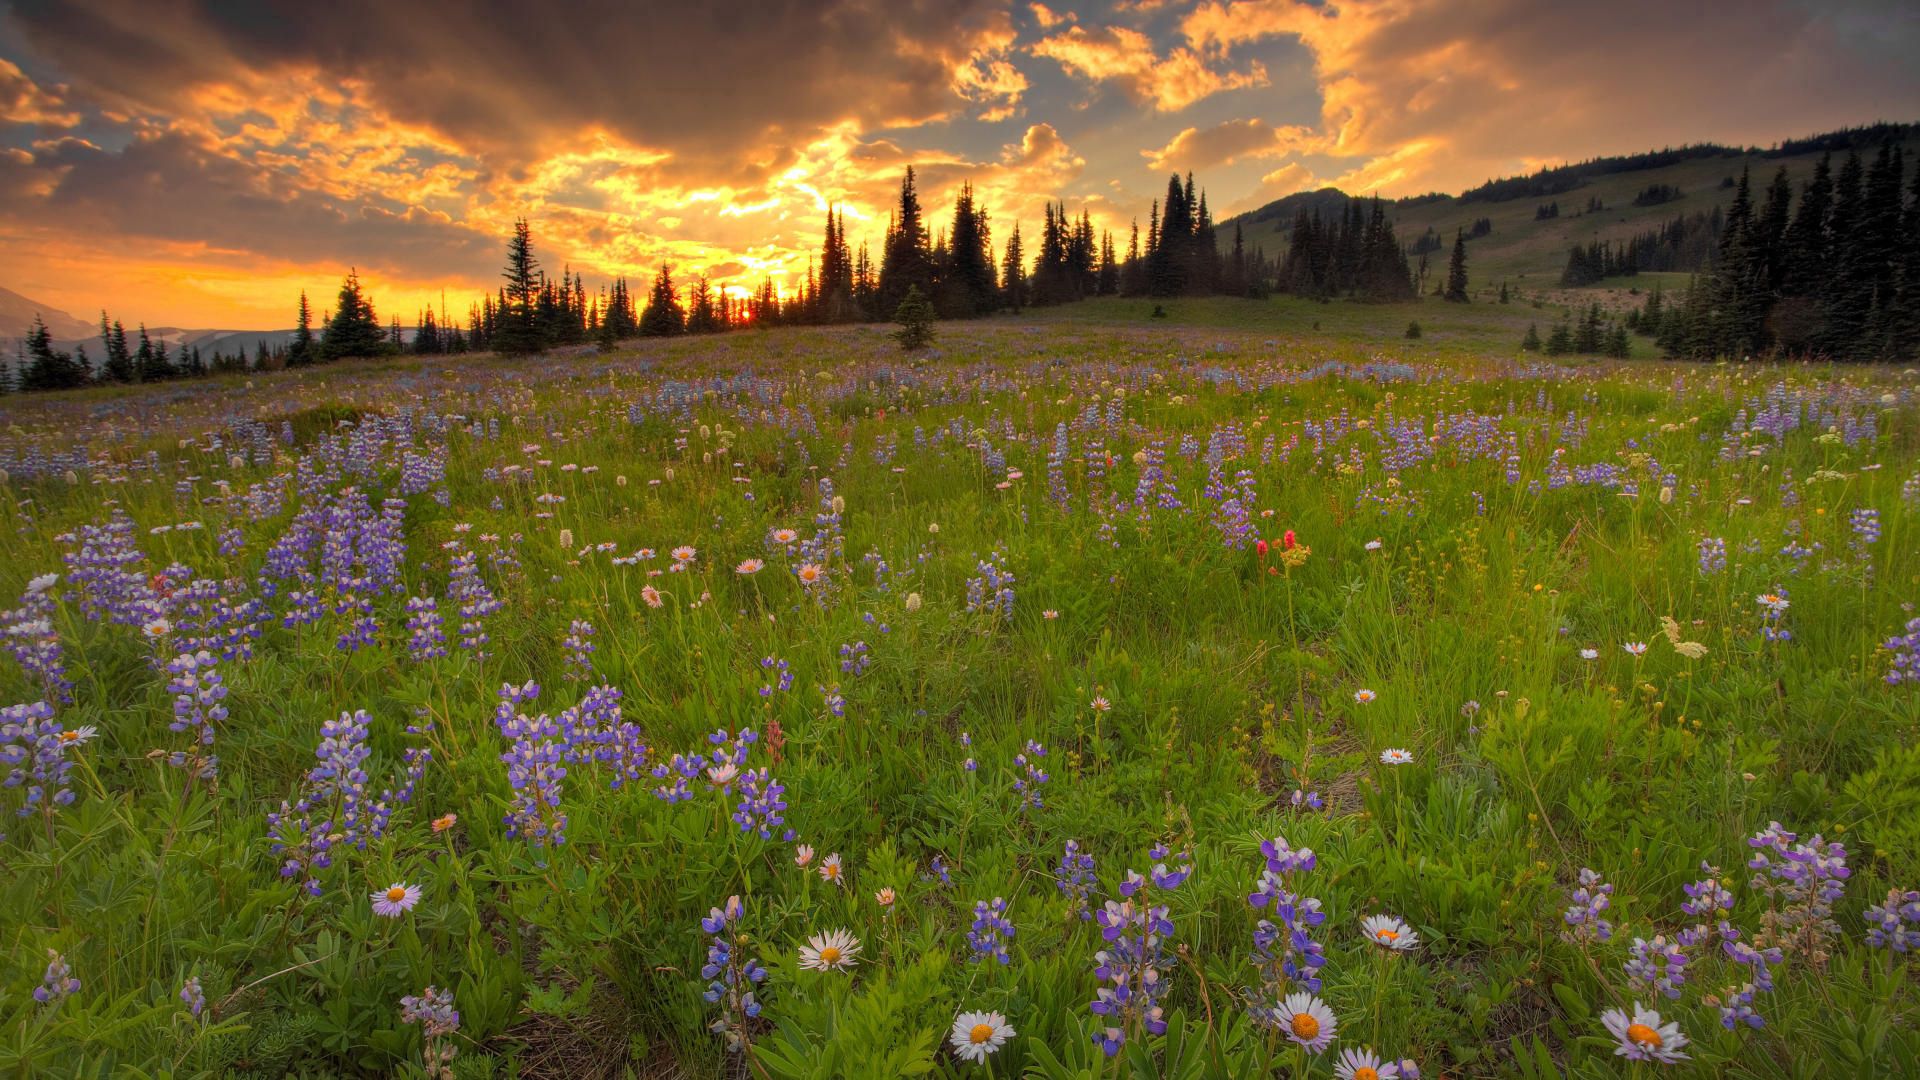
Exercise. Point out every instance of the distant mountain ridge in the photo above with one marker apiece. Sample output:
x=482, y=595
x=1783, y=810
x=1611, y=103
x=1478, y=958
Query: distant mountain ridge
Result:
x=17, y=312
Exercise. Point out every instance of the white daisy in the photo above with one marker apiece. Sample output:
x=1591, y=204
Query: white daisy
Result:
x=1389, y=932
x=830, y=869
x=1642, y=1037
x=1307, y=1021
x=835, y=950
x=1393, y=755
x=1364, y=1065
x=1363, y=696
x=803, y=855
x=978, y=1034
x=82, y=734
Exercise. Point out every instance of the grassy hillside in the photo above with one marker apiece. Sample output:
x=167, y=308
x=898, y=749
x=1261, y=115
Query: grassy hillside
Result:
x=1530, y=254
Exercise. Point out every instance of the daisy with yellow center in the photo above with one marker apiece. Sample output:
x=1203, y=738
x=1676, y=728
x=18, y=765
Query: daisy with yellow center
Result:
x=79, y=735
x=810, y=573
x=830, y=870
x=396, y=899
x=976, y=1035
x=1307, y=1021
x=836, y=950
x=1642, y=1036
x=1389, y=932
x=1364, y=1064
x=785, y=536
x=748, y=566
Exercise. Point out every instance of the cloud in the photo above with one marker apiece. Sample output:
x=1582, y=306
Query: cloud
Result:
x=1048, y=18
x=23, y=101
x=702, y=78
x=1126, y=57
x=1423, y=95
x=1196, y=149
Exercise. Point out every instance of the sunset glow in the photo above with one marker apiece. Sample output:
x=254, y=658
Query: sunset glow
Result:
x=203, y=169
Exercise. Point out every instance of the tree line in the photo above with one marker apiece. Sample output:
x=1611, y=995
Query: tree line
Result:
x=956, y=266
x=1832, y=273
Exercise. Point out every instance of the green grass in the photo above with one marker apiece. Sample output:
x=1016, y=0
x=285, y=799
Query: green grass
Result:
x=1523, y=511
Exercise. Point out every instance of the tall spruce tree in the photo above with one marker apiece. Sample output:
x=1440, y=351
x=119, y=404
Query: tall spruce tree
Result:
x=304, y=350
x=1456, y=289
x=1013, y=272
x=907, y=260
x=968, y=288
x=354, y=329
x=663, y=315
x=517, y=329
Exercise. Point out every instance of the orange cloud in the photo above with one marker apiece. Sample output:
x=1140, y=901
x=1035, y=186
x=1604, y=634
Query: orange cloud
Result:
x=23, y=101
x=1195, y=149
x=1126, y=57
x=1426, y=95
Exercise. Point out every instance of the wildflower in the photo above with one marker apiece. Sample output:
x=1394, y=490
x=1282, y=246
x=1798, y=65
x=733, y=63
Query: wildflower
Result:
x=445, y=822
x=192, y=996
x=434, y=1012
x=884, y=897
x=684, y=554
x=1642, y=1037
x=836, y=950
x=652, y=596
x=830, y=870
x=1635, y=648
x=803, y=855
x=1396, y=756
x=978, y=1034
x=58, y=982
x=1050, y=614
x=1389, y=932
x=749, y=566
x=1885, y=922
x=396, y=899
x=810, y=573
x=1585, y=915
x=1101, y=704
x=1364, y=1064
x=1589, y=654
x=990, y=931
x=1307, y=1021
x=913, y=602
x=1372, y=545
x=79, y=736
x=1364, y=696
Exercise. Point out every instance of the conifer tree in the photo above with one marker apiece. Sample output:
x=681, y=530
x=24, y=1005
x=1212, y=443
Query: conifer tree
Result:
x=907, y=260
x=1456, y=290
x=663, y=315
x=915, y=317
x=354, y=329
x=304, y=350
x=702, y=316
x=118, y=366
x=517, y=330
x=1013, y=272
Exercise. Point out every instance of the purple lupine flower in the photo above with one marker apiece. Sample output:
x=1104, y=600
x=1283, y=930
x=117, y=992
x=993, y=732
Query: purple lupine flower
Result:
x=1027, y=783
x=433, y=1010
x=1132, y=969
x=730, y=975
x=1905, y=665
x=1658, y=964
x=1284, y=953
x=198, y=696
x=578, y=649
x=991, y=931
x=1076, y=879
x=761, y=805
x=58, y=983
x=1713, y=555
x=33, y=753
x=31, y=638
x=426, y=640
x=1586, y=914
x=193, y=996
x=1895, y=924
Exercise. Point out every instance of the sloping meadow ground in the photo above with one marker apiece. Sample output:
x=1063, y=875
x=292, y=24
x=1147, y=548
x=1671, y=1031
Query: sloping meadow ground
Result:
x=1169, y=702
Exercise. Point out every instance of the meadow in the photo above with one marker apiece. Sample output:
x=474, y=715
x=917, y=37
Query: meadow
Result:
x=1089, y=696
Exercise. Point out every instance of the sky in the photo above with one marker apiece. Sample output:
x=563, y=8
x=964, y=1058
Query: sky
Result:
x=198, y=163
